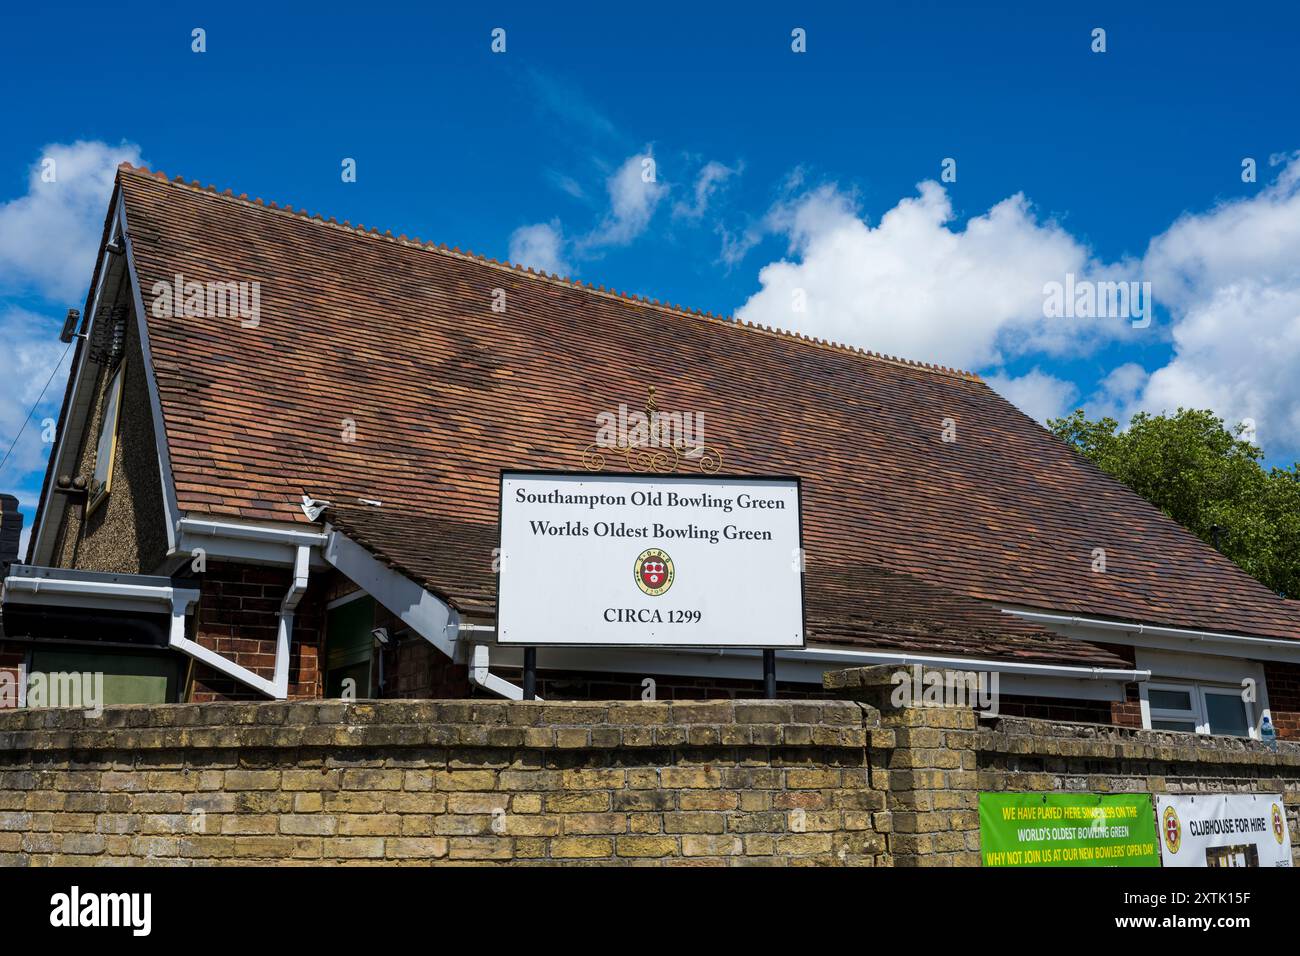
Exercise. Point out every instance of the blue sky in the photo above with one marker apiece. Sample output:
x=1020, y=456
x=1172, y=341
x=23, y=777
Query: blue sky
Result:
x=777, y=175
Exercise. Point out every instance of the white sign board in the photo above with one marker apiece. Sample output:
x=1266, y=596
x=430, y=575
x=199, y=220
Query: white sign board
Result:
x=628, y=560
x=1223, y=829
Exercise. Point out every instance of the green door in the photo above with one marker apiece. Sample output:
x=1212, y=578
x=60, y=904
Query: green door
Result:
x=349, y=648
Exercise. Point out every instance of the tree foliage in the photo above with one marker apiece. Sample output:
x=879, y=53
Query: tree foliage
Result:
x=1203, y=475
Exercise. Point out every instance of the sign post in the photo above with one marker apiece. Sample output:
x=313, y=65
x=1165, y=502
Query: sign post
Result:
x=530, y=673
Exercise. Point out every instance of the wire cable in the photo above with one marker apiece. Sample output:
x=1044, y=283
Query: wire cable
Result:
x=12, y=445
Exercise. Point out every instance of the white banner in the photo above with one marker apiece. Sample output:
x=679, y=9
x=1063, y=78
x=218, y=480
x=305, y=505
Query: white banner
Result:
x=1223, y=829
x=627, y=560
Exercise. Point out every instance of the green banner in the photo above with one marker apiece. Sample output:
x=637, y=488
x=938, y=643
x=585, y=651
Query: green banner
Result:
x=1067, y=829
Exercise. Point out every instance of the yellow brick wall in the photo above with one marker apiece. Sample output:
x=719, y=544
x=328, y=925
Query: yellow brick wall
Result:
x=456, y=782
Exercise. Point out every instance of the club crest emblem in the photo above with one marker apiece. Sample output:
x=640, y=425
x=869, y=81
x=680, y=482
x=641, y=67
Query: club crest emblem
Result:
x=1279, y=825
x=653, y=571
x=1173, y=830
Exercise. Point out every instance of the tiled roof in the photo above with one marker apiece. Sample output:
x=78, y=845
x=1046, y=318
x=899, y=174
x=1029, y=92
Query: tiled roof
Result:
x=399, y=340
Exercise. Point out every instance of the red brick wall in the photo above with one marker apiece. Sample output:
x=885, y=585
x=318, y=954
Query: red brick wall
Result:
x=1052, y=708
x=417, y=669
x=1125, y=713
x=1283, y=682
x=239, y=611
x=1128, y=712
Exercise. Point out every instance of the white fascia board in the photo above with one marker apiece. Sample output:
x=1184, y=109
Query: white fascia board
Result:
x=424, y=613
x=171, y=511
x=254, y=543
x=807, y=665
x=70, y=590
x=67, y=441
x=55, y=599
x=1160, y=637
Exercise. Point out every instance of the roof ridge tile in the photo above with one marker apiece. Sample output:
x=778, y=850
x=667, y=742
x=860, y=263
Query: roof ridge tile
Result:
x=727, y=320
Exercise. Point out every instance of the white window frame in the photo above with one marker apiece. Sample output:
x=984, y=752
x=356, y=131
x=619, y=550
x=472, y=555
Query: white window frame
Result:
x=1198, y=675
x=112, y=403
x=1195, y=715
x=1200, y=712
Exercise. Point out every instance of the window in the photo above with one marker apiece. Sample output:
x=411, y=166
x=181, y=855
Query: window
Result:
x=1200, y=708
x=106, y=444
x=119, y=677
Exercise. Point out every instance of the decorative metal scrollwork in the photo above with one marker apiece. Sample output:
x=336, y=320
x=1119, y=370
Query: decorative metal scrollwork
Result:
x=654, y=448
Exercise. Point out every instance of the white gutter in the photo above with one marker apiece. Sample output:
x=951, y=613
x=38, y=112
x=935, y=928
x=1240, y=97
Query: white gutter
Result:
x=251, y=532
x=481, y=676
x=247, y=543
x=278, y=687
x=428, y=616
x=302, y=544
x=105, y=594
x=1275, y=647
x=284, y=636
x=136, y=596
x=108, y=590
x=209, y=531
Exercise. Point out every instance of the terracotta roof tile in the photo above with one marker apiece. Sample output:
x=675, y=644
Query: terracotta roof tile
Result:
x=400, y=339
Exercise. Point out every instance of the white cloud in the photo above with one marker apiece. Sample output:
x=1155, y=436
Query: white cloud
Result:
x=634, y=194
x=48, y=240
x=1117, y=392
x=1037, y=394
x=49, y=236
x=708, y=181
x=539, y=246
x=568, y=104
x=1231, y=279
x=32, y=349
x=915, y=287
x=566, y=184
x=737, y=244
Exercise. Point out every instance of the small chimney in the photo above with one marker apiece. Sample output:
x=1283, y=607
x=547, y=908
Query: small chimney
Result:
x=11, y=529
